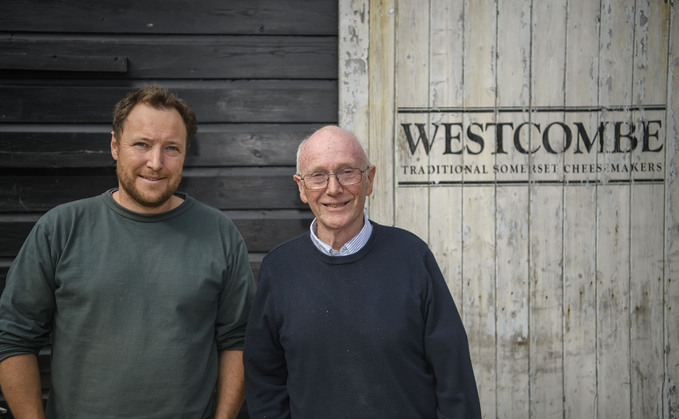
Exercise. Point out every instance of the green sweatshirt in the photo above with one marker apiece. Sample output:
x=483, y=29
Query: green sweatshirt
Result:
x=137, y=307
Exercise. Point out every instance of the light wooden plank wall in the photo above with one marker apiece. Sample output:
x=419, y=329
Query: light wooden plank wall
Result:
x=566, y=281
x=671, y=229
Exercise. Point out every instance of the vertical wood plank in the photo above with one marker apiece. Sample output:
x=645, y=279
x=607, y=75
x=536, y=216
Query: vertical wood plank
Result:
x=479, y=293
x=646, y=243
x=445, y=77
x=381, y=62
x=546, y=368
x=613, y=220
x=478, y=259
x=646, y=335
x=513, y=73
x=613, y=389
x=579, y=293
x=512, y=303
x=353, y=86
x=670, y=392
x=546, y=213
x=412, y=89
x=580, y=372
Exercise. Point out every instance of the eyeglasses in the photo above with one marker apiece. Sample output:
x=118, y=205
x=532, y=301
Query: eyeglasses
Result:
x=345, y=177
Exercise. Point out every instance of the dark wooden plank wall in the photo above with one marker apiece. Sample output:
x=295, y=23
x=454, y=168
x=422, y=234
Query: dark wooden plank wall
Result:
x=261, y=75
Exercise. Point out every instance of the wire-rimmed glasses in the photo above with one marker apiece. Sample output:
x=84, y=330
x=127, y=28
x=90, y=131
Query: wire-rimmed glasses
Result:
x=345, y=177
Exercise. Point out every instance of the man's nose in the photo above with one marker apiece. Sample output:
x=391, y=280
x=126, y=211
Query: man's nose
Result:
x=155, y=158
x=334, y=185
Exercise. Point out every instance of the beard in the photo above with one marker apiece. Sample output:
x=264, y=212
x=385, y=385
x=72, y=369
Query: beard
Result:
x=127, y=182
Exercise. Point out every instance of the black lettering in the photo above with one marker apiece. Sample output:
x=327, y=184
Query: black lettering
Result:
x=582, y=134
x=499, y=135
x=567, y=133
x=517, y=138
x=450, y=137
x=648, y=135
x=475, y=138
x=423, y=138
x=619, y=136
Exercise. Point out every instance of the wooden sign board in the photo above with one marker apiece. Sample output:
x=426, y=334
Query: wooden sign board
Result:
x=533, y=145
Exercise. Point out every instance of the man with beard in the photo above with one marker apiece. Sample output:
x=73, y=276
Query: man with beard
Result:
x=143, y=292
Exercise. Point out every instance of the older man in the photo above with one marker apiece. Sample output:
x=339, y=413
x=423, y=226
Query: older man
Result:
x=353, y=319
x=143, y=291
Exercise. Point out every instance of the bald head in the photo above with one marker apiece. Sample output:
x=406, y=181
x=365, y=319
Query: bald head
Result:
x=333, y=156
x=331, y=136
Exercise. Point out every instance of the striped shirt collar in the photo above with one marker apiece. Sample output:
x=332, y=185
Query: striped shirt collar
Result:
x=350, y=247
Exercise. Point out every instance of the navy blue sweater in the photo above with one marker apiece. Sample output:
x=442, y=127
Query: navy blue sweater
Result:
x=371, y=335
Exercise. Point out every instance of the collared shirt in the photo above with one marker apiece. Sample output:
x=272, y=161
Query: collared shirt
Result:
x=350, y=247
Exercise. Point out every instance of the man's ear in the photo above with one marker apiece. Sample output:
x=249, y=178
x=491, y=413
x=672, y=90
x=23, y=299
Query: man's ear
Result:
x=371, y=177
x=302, y=190
x=114, y=146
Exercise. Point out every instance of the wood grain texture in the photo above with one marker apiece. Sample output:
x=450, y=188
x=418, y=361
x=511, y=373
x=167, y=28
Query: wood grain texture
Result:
x=670, y=391
x=171, y=57
x=568, y=277
x=546, y=315
x=412, y=86
x=646, y=224
x=480, y=204
x=261, y=76
x=382, y=105
x=223, y=189
x=445, y=75
x=227, y=101
x=580, y=219
x=353, y=85
x=512, y=224
x=255, y=17
x=613, y=228
x=82, y=146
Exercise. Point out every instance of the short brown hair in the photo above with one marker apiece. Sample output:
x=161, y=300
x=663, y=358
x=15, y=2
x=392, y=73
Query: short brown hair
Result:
x=158, y=98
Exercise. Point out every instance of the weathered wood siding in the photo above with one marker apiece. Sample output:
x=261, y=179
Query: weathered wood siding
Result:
x=261, y=75
x=484, y=118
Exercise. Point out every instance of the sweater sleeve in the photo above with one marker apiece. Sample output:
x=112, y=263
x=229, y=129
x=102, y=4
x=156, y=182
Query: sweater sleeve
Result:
x=447, y=350
x=264, y=358
x=236, y=295
x=27, y=303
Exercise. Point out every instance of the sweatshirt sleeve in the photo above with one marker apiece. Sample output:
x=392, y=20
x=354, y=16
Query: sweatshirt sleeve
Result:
x=27, y=303
x=236, y=295
x=447, y=350
x=264, y=358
